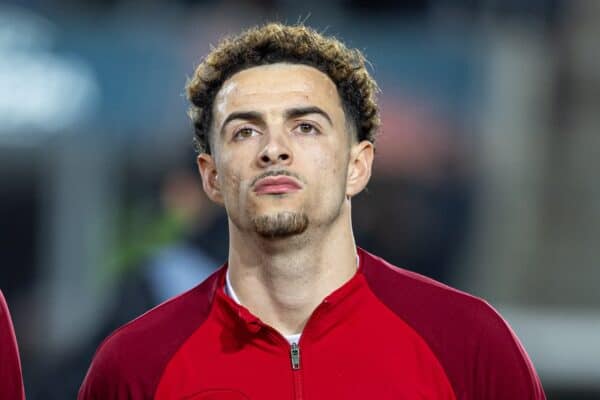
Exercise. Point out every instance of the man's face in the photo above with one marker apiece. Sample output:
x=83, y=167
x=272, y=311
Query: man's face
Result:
x=281, y=150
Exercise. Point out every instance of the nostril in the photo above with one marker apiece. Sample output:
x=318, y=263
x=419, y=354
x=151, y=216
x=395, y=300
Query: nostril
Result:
x=284, y=157
x=265, y=158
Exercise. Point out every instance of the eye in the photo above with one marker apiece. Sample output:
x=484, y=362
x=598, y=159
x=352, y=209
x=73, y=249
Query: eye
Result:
x=307, y=129
x=244, y=133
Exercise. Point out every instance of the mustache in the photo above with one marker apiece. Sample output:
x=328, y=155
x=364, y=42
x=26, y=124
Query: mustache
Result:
x=281, y=172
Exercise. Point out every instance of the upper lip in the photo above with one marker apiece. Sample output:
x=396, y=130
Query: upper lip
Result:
x=276, y=180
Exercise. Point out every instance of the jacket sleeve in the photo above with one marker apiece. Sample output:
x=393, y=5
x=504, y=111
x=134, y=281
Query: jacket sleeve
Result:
x=114, y=375
x=11, y=381
x=503, y=369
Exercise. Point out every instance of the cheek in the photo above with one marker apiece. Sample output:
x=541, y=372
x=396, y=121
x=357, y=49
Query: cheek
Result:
x=236, y=172
x=229, y=179
x=233, y=183
x=333, y=162
x=329, y=170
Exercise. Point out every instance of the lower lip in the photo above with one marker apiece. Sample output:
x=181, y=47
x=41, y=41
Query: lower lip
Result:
x=277, y=189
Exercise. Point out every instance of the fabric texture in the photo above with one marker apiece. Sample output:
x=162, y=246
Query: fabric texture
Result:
x=387, y=333
x=11, y=381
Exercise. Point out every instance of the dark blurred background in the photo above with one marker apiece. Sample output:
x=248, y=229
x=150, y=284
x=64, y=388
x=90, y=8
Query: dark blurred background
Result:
x=485, y=173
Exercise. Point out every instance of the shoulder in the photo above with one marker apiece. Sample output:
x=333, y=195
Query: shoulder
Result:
x=128, y=364
x=3, y=308
x=11, y=382
x=418, y=298
x=472, y=341
x=7, y=334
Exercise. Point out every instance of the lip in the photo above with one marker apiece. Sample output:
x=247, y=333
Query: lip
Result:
x=276, y=185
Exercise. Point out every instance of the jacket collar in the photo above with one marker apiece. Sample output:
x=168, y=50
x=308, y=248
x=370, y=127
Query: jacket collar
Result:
x=335, y=309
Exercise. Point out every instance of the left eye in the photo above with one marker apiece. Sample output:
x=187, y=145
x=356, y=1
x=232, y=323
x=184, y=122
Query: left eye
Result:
x=306, y=128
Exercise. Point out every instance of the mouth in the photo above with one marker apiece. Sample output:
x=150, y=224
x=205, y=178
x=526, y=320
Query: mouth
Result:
x=277, y=185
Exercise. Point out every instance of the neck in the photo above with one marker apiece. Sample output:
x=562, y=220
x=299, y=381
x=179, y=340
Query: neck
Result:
x=282, y=281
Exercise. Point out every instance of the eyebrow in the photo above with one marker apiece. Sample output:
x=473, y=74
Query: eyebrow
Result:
x=246, y=115
x=290, y=113
x=302, y=111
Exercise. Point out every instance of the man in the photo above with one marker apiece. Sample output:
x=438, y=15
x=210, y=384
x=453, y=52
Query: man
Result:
x=285, y=122
x=11, y=381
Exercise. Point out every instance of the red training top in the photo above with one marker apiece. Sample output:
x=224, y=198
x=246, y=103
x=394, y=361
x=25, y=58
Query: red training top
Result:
x=11, y=380
x=386, y=334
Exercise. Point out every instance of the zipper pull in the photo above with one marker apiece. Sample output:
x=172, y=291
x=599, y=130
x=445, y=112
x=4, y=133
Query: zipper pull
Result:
x=295, y=356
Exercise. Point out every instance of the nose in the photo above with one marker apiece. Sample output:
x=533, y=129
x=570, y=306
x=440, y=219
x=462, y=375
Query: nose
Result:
x=275, y=151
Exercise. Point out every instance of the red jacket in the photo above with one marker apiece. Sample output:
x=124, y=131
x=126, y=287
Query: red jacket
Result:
x=11, y=381
x=386, y=334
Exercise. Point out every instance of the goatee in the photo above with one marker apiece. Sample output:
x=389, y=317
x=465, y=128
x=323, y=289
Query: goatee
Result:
x=280, y=225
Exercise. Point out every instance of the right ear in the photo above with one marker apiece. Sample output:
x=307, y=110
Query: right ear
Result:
x=210, y=178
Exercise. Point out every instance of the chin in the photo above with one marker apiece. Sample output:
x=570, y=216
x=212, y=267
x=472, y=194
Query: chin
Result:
x=280, y=224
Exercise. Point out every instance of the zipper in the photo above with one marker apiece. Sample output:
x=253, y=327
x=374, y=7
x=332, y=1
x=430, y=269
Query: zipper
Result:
x=296, y=372
x=295, y=356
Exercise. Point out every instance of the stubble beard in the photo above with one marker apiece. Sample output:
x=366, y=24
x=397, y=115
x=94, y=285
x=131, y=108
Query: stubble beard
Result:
x=281, y=225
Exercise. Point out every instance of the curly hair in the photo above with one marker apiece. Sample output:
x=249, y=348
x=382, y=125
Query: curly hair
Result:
x=297, y=44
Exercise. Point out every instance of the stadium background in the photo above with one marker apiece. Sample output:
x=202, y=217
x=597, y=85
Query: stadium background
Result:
x=485, y=174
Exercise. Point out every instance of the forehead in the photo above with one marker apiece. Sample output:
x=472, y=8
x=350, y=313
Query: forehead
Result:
x=276, y=85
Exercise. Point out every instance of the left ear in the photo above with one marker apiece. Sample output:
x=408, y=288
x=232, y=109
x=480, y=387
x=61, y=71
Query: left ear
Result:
x=359, y=167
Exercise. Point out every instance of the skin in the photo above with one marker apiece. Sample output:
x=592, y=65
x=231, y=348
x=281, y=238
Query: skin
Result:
x=282, y=278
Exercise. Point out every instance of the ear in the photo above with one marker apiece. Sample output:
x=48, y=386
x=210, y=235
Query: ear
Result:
x=359, y=167
x=210, y=178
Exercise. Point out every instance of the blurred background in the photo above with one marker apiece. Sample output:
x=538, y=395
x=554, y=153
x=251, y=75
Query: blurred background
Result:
x=485, y=174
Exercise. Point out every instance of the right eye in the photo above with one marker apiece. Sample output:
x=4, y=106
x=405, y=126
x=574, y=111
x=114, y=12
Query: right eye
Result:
x=244, y=133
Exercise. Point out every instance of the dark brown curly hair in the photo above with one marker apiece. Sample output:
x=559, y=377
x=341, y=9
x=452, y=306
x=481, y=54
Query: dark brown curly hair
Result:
x=274, y=43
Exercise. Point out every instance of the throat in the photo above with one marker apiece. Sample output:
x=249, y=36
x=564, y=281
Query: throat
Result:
x=290, y=337
x=284, y=296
